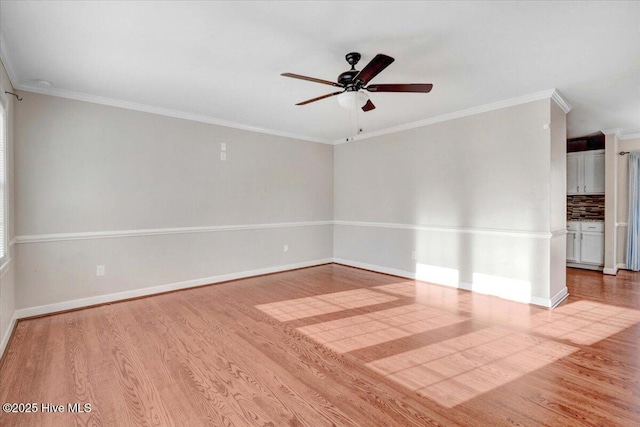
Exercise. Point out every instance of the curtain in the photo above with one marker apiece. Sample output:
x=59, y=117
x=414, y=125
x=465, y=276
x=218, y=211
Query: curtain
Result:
x=633, y=236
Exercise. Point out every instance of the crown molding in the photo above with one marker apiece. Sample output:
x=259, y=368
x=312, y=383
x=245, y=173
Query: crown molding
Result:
x=113, y=102
x=612, y=131
x=629, y=136
x=545, y=94
x=562, y=103
x=8, y=65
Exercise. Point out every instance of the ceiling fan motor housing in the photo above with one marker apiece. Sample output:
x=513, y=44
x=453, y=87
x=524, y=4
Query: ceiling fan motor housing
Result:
x=346, y=78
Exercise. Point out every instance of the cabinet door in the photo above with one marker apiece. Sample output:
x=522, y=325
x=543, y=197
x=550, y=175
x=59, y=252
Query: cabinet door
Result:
x=573, y=174
x=592, y=248
x=573, y=248
x=593, y=173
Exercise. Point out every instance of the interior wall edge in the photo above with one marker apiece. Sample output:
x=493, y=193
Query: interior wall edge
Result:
x=7, y=336
x=560, y=296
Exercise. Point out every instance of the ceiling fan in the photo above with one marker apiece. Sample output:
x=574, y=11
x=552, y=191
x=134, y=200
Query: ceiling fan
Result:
x=354, y=82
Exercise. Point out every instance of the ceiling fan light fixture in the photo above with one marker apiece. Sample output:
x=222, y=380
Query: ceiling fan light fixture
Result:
x=352, y=100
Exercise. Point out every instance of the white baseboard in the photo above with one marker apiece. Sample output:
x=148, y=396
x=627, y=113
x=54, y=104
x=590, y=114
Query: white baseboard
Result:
x=560, y=296
x=622, y=266
x=544, y=302
x=610, y=271
x=7, y=335
x=135, y=293
x=376, y=268
x=584, y=266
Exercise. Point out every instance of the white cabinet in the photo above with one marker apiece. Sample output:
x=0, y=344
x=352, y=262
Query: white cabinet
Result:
x=585, y=172
x=593, y=172
x=585, y=244
x=573, y=172
x=573, y=242
x=592, y=248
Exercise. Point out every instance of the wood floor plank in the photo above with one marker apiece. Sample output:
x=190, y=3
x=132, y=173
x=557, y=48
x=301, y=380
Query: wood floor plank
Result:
x=142, y=401
x=236, y=353
x=254, y=352
x=224, y=375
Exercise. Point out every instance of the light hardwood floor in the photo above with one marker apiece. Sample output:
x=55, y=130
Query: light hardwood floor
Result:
x=333, y=345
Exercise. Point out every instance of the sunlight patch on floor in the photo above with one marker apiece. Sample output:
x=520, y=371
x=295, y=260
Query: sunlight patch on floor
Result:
x=454, y=371
x=323, y=304
x=585, y=322
x=365, y=330
x=481, y=306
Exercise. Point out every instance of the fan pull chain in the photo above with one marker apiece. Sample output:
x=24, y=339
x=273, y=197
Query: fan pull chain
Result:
x=351, y=123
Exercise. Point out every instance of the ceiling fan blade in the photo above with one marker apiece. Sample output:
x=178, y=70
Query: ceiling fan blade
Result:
x=308, y=101
x=373, y=68
x=368, y=106
x=409, y=87
x=311, y=79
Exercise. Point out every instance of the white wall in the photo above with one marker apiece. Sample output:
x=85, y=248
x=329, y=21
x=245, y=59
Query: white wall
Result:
x=85, y=172
x=623, y=198
x=475, y=197
x=7, y=272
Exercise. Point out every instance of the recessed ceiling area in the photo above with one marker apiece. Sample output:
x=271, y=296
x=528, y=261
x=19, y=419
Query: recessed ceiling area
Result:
x=223, y=60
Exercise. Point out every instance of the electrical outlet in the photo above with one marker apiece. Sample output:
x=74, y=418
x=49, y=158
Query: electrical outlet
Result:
x=286, y=248
x=223, y=156
x=100, y=270
x=223, y=146
x=414, y=255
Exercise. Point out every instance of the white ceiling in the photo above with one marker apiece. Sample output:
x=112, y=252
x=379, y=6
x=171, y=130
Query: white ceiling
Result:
x=223, y=60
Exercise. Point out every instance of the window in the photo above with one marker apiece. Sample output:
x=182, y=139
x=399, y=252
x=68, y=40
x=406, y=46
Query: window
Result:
x=3, y=180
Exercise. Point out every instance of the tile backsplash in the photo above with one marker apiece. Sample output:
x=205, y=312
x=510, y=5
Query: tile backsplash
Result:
x=585, y=207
